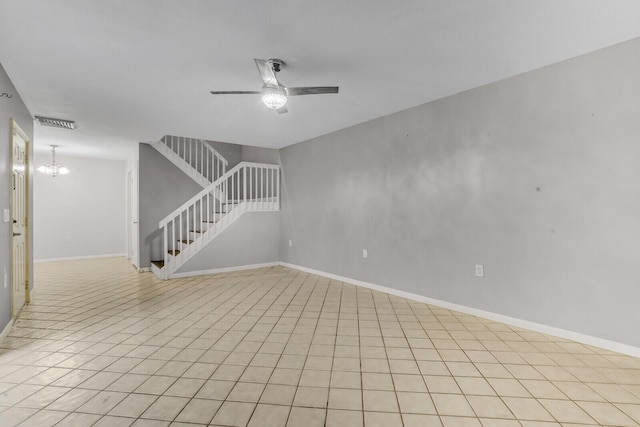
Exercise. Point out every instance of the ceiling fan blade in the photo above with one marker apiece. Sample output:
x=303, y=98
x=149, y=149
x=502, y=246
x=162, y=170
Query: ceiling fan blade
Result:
x=311, y=90
x=233, y=92
x=266, y=72
x=282, y=110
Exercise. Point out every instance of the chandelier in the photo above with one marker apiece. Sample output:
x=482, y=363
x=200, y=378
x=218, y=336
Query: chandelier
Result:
x=54, y=169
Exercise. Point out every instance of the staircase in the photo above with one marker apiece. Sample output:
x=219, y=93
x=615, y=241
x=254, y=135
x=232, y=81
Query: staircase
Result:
x=247, y=187
x=195, y=157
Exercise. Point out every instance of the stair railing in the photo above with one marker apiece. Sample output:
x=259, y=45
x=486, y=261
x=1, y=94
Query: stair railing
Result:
x=198, y=154
x=244, y=188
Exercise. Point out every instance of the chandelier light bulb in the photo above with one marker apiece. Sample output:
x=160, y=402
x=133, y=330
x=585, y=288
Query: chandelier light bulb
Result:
x=53, y=168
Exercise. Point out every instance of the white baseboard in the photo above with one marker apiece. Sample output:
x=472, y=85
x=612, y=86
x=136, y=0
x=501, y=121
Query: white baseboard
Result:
x=35, y=261
x=6, y=330
x=223, y=270
x=520, y=323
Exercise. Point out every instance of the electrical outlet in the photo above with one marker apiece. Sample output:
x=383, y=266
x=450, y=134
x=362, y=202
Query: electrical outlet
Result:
x=6, y=215
x=365, y=254
x=290, y=243
x=479, y=270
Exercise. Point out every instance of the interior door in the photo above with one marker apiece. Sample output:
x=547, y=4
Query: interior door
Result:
x=19, y=217
x=133, y=216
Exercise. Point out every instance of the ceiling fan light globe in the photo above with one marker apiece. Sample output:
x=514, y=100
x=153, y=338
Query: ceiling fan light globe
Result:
x=274, y=97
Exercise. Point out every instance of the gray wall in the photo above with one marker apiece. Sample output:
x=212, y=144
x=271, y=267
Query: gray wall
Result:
x=80, y=214
x=260, y=155
x=536, y=177
x=162, y=187
x=11, y=108
x=231, y=152
x=252, y=239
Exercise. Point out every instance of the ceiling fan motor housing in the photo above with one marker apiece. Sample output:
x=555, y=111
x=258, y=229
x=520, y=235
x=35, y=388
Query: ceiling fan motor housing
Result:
x=276, y=64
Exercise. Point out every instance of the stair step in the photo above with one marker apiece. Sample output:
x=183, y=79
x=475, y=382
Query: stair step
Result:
x=159, y=264
x=197, y=231
x=213, y=218
x=185, y=241
x=174, y=252
x=226, y=207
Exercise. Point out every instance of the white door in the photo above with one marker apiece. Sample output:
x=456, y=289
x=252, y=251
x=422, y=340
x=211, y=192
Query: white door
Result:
x=128, y=226
x=19, y=261
x=133, y=216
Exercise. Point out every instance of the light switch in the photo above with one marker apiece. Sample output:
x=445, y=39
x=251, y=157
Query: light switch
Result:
x=6, y=215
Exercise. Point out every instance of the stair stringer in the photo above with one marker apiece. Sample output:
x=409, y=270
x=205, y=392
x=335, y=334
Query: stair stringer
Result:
x=180, y=163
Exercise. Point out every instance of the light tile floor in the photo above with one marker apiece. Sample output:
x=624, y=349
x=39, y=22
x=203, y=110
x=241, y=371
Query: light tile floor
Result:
x=102, y=345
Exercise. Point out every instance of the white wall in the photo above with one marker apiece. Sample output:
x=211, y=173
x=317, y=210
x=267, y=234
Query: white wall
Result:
x=82, y=214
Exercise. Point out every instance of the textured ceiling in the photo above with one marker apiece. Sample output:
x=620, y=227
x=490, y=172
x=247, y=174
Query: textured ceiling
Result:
x=130, y=71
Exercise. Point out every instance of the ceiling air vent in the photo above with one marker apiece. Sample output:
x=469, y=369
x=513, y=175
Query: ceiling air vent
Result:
x=56, y=123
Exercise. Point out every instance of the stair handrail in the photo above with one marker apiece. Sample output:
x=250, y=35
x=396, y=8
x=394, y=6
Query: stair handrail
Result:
x=211, y=187
x=179, y=143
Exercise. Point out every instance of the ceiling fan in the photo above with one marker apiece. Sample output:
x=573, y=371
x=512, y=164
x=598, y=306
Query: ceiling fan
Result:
x=274, y=94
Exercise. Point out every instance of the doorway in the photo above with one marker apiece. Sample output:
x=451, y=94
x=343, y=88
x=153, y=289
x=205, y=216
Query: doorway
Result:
x=19, y=219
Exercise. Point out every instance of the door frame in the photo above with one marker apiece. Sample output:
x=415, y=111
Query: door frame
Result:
x=133, y=232
x=15, y=129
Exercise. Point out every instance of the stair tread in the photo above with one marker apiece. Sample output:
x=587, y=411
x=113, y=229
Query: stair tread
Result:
x=159, y=264
x=186, y=242
x=173, y=252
